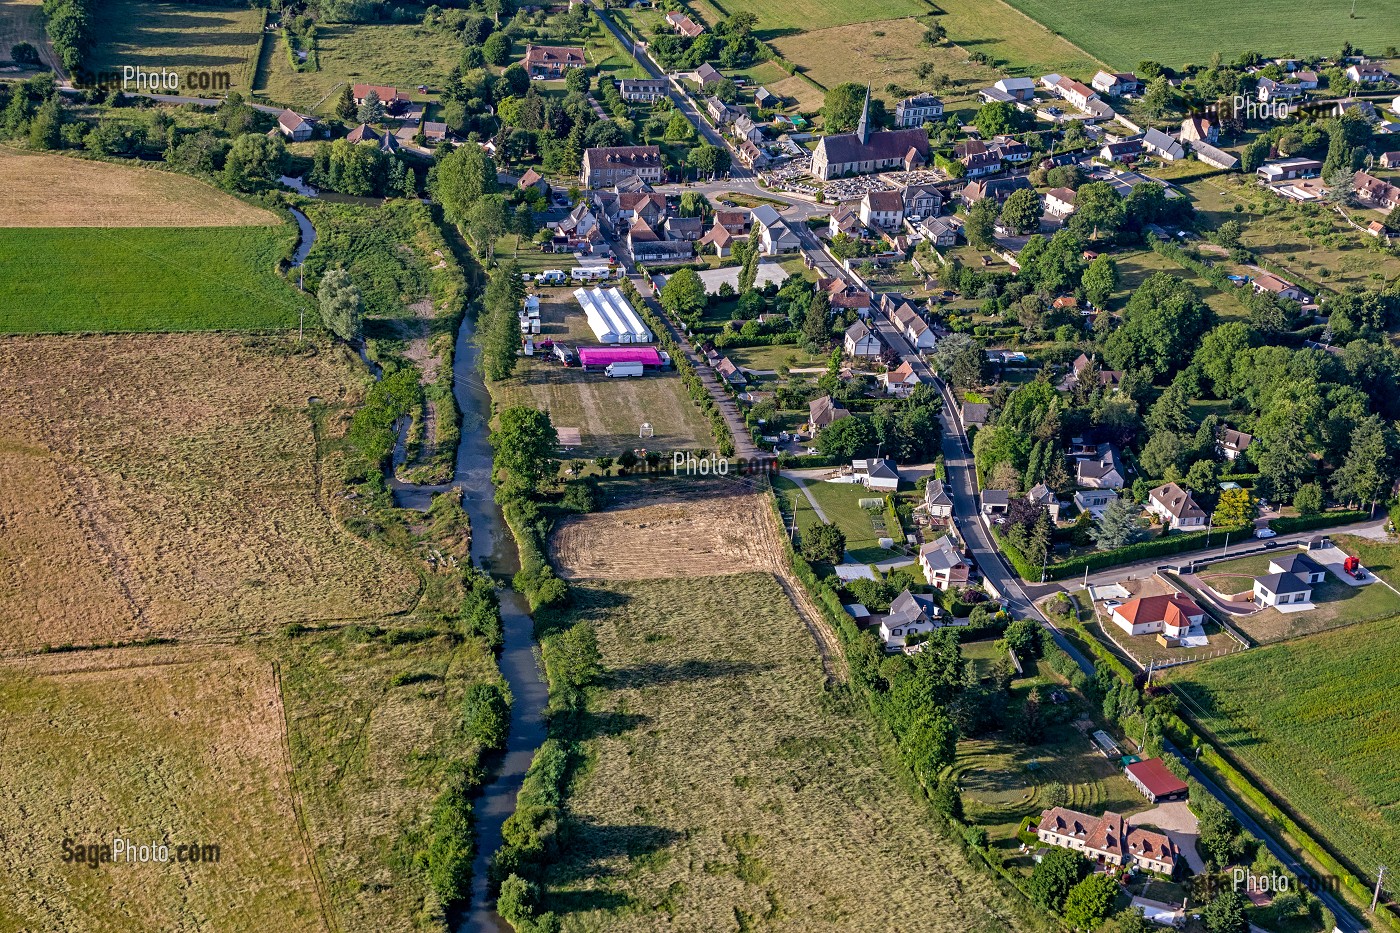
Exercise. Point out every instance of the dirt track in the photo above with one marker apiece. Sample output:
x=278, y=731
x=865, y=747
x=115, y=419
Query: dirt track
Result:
x=707, y=529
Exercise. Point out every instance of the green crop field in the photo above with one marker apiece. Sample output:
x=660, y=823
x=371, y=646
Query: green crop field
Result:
x=727, y=788
x=74, y=280
x=197, y=41
x=1316, y=721
x=1177, y=33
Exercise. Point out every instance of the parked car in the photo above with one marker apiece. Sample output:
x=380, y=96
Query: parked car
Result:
x=1265, y=532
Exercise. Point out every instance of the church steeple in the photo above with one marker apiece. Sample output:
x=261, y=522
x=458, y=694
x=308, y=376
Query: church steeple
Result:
x=863, y=127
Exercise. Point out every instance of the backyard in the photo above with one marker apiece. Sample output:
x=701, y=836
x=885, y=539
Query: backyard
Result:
x=840, y=503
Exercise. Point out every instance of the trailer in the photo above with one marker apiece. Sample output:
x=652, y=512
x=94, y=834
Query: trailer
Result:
x=622, y=370
x=552, y=277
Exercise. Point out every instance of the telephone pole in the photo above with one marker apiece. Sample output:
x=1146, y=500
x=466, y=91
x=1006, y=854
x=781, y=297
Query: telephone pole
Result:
x=1375, y=898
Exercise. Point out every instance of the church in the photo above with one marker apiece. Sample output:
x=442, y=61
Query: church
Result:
x=863, y=152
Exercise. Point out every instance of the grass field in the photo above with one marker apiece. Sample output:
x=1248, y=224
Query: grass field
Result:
x=43, y=190
x=1134, y=268
x=726, y=787
x=778, y=18
x=209, y=41
x=1013, y=41
x=840, y=502
x=608, y=412
x=1316, y=719
x=1177, y=34
x=153, y=746
x=774, y=356
x=171, y=486
x=401, y=56
x=1334, y=602
x=84, y=280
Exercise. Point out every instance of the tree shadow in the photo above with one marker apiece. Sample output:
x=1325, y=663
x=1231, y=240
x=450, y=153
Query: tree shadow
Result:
x=657, y=673
x=610, y=724
x=591, y=843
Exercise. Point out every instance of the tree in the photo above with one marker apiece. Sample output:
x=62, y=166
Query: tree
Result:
x=960, y=359
x=1131, y=920
x=824, y=542
x=371, y=109
x=996, y=118
x=709, y=160
x=577, y=80
x=342, y=308
x=524, y=443
x=1157, y=98
x=846, y=438
x=487, y=220
x=46, y=129
x=496, y=48
x=1022, y=211
x=462, y=177
x=345, y=104
x=486, y=714
x=1235, y=509
x=253, y=160
x=1163, y=323
x=1100, y=280
x=1308, y=500
x=23, y=53
x=1090, y=901
x=517, y=79
x=1225, y=914
x=1052, y=880
x=678, y=128
x=1285, y=463
x=816, y=327
x=841, y=107
x=1119, y=526
x=1369, y=468
x=1098, y=210
x=981, y=223
x=683, y=295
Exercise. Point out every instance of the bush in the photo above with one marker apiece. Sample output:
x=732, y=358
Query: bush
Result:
x=1321, y=520
x=486, y=715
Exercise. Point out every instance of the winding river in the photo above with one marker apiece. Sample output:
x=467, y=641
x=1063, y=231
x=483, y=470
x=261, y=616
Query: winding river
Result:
x=492, y=549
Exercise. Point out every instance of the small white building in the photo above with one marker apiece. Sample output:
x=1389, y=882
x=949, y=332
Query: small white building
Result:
x=861, y=341
x=937, y=502
x=878, y=474
x=1281, y=589
x=909, y=615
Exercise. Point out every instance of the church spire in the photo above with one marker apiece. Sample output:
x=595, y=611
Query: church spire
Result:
x=863, y=127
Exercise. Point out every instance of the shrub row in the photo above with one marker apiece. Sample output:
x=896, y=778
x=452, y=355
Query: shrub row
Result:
x=1321, y=520
x=1163, y=546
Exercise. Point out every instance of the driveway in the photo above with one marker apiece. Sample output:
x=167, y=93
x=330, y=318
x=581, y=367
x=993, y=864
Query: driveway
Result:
x=1180, y=824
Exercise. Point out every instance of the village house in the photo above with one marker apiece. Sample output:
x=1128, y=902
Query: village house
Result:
x=1019, y=89
x=645, y=90
x=1108, y=840
x=1170, y=615
x=717, y=238
x=751, y=155
x=1074, y=91
x=729, y=372
x=390, y=97
x=918, y=110
x=974, y=414
x=720, y=112
x=1094, y=501
x=909, y=615
x=1124, y=150
x=1104, y=470
x=920, y=200
x=1390, y=159
x=861, y=341
x=901, y=380
x=1267, y=282
x=745, y=128
x=995, y=501
x=1175, y=507
x=1160, y=144
x=1281, y=589
x=845, y=218
x=1301, y=565
x=707, y=75
x=1367, y=73
x=1199, y=130
x=997, y=188
x=1116, y=84
x=644, y=243
x=1230, y=443
x=684, y=228
x=879, y=474
x=866, y=151
x=552, y=61
x=823, y=411
x=1156, y=781
x=912, y=325
x=1270, y=91
x=1041, y=495
x=775, y=235
x=882, y=209
x=364, y=133
x=766, y=99
x=1109, y=379
x=943, y=563
x=1212, y=156
x=603, y=167
x=1373, y=192
x=294, y=126
x=1271, y=173
x=1059, y=202
x=684, y=25
x=940, y=231
x=937, y=502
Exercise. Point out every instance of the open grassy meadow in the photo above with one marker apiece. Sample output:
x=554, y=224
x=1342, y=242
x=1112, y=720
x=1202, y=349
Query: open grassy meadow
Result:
x=726, y=787
x=176, y=486
x=1013, y=41
x=402, y=56
x=608, y=412
x=197, y=41
x=1136, y=267
x=154, y=746
x=95, y=279
x=49, y=190
x=1316, y=721
x=1177, y=34
x=779, y=18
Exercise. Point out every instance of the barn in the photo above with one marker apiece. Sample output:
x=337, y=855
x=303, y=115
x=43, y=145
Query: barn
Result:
x=611, y=317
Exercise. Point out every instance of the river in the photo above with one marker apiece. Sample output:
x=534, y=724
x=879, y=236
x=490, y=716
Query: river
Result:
x=492, y=549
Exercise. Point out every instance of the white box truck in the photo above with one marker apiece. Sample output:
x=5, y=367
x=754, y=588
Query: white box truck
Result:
x=616, y=370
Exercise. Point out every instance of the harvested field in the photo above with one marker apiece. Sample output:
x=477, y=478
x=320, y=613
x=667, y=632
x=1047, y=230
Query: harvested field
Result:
x=172, y=486
x=43, y=190
x=727, y=787
x=155, y=746
x=212, y=47
x=23, y=21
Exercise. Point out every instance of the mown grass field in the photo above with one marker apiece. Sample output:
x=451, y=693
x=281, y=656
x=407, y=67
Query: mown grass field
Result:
x=174, y=486
x=840, y=503
x=608, y=412
x=1177, y=34
x=1135, y=268
x=778, y=18
x=161, y=745
x=1316, y=720
x=49, y=190
x=92, y=280
x=401, y=56
x=725, y=787
x=193, y=40
x=1014, y=42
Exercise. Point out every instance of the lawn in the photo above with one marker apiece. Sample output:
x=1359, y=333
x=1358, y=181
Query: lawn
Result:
x=1335, y=603
x=1316, y=720
x=1380, y=557
x=726, y=785
x=402, y=56
x=156, y=746
x=608, y=412
x=74, y=280
x=778, y=18
x=1177, y=34
x=172, y=487
x=1013, y=41
x=774, y=356
x=50, y=190
x=1134, y=268
x=840, y=502
x=204, y=44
